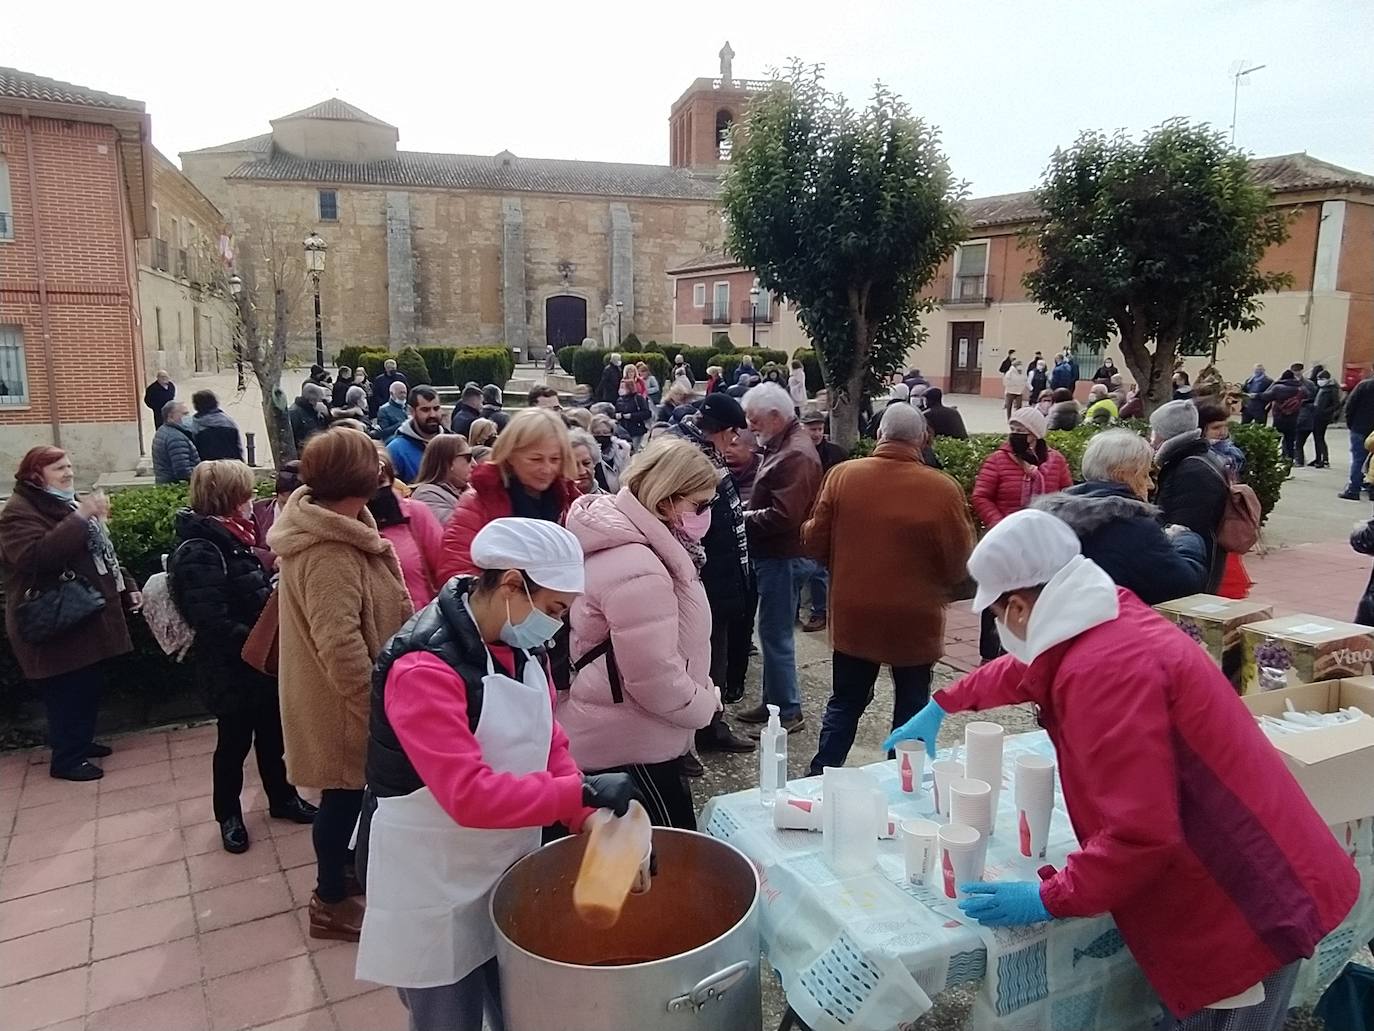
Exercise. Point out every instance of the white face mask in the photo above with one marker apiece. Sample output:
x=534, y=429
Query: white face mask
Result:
x=1014, y=646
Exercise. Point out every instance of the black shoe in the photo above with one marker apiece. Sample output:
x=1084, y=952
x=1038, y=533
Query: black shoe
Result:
x=718, y=737
x=81, y=771
x=98, y=751
x=791, y=724
x=691, y=766
x=1345, y=495
x=298, y=810
x=731, y=696
x=758, y=714
x=234, y=835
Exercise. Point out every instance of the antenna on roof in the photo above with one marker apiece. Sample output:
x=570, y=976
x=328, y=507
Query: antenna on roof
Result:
x=1239, y=71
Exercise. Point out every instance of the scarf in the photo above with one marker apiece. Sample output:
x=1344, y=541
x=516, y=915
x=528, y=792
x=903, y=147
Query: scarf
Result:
x=241, y=529
x=545, y=507
x=98, y=542
x=696, y=551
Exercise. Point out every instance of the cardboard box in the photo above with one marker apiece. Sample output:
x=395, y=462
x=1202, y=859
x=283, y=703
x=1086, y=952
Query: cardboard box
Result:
x=1307, y=648
x=1215, y=623
x=1334, y=765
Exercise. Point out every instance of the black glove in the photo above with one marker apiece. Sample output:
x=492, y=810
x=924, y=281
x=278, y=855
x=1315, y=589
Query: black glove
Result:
x=612, y=791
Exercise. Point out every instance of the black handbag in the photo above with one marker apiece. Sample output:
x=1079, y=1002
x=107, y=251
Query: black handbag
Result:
x=45, y=614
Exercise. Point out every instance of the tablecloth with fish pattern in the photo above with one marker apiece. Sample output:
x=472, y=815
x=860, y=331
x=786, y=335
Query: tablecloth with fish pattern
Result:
x=868, y=952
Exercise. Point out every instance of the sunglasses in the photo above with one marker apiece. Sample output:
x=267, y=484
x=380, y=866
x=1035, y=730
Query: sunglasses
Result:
x=702, y=507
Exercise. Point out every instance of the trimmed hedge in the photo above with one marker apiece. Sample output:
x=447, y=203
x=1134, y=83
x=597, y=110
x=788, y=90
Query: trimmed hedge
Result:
x=372, y=361
x=1265, y=466
x=438, y=361
x=729, y=361
x=481, y=365
x=698, y=358
x=412, y=366
x=566, y=356
x=585, y=363
x=630, y=342
x=658, y=365
x=653, y=347
x=815, y=379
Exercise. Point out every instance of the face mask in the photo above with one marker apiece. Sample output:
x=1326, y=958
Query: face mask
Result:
x=694, y=524
x=1013, y=645
x=58, y=492
x=533, y=630
x=187, y=423
x=1022, y=448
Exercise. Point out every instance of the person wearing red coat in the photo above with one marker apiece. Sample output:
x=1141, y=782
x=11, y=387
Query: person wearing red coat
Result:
x=1024, y=467
x=530, y=474
x=1192, y=833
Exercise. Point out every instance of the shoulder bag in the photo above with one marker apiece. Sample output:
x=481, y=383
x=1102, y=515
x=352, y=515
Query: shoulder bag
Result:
x=46, y=614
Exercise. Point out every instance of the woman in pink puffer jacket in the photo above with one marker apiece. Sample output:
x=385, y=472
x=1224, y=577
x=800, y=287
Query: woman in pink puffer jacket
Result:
x=641, y=632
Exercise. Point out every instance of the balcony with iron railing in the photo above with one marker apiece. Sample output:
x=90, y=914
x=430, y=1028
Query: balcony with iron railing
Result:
x=716, y=316
x=159, y=255
x=183, y=263
x=761, y=314
x=964, y=290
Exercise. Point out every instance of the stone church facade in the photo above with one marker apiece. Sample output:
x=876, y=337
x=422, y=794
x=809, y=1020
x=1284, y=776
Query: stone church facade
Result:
x=459, y=249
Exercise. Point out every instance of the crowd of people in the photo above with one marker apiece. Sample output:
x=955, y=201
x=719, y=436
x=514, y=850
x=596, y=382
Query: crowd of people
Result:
x=470, y=629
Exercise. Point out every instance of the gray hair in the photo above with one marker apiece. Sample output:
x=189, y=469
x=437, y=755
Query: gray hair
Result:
x=170, y=407
x=602, y=424
x=769, y=399
x=355, y=396
x=1116, y=456
x=902, y=422
x=312, y=392
x=578, y=437
x=398, y=391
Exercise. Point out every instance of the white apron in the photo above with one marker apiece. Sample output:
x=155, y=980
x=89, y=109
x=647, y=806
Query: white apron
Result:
x=428, y=877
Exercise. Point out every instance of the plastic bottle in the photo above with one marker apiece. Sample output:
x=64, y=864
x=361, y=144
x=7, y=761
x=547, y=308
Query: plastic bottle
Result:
x=772, y=759
x=617, y=846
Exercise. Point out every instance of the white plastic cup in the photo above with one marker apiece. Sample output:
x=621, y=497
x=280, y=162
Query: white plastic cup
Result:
x=961, y=857
x=911, y=764
x=1034, y=778
x=854, y=810
x=1033, y=827
x=970, y=803
x=945, y=770
x=920, y=845
x=983, y=755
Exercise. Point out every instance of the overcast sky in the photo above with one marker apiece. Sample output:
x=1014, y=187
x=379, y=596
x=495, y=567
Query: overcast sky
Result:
x=1005, y=82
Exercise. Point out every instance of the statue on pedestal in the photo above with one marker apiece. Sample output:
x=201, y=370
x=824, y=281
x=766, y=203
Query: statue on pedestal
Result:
x=727, y=57
x=607, y=322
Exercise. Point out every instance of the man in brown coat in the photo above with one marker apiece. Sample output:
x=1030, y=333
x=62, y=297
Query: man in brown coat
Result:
x=783, y=493
x=896, y=536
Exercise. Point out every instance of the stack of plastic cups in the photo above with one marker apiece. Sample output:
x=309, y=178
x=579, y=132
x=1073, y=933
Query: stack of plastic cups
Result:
x=911, y=765
x=1034, y=803
x=854, y=809
x=970, y=804
x=961, y=857
x=983, y=759
x=944, y=771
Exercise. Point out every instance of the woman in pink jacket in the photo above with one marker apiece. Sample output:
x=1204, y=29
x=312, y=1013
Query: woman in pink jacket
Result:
x=641, y=633
x=414, y=532
x=1024, y=467
x=1192, y=833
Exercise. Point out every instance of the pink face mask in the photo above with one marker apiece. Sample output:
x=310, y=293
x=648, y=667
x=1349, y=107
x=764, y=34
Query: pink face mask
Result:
x=694, y=525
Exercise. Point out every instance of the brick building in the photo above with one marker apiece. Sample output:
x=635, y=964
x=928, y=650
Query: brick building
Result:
x=472, y=249
x=74, y=199
x=713, y=302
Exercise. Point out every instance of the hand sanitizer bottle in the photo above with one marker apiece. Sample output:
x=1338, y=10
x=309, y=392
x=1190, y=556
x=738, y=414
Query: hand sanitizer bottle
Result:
x=772, y=759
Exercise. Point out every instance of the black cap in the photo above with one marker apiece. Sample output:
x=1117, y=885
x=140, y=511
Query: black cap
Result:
x=721, y=412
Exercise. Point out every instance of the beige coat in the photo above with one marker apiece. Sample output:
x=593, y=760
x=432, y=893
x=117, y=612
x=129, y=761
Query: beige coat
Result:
x=341, y=599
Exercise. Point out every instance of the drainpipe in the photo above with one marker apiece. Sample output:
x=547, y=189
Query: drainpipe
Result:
x=41, y=263
x=129, y=258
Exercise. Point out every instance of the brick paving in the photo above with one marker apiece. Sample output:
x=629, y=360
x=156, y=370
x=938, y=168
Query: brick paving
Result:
x=119, y=909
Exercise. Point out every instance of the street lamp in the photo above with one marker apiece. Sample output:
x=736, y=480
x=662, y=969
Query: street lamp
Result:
x=754, y=314
x=236, y=292
x=1239, y=74
x=314, y=265
x=619, y=311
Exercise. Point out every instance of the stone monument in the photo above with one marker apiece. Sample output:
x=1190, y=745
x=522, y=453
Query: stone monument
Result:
x=727, y=57
x=608, y=326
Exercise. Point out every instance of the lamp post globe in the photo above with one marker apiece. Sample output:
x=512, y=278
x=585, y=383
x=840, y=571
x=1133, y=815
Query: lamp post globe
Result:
x=236, y=292
x=314, y=265
x=619, y=311
x=754, y=314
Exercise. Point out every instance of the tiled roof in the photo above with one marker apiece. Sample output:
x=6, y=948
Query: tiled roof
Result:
x=710, y=260
x=481, y=172
x=27, y=86
x=1284, y=173
x=335, y=110
x=254, y=145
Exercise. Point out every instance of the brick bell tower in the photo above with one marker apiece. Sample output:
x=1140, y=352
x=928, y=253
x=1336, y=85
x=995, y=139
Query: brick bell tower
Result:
x=699, y=124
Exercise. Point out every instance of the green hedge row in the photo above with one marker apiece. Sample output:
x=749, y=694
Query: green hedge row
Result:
x=1265, y=466
x=762, y=356
x=584, y=364
x=438, y=362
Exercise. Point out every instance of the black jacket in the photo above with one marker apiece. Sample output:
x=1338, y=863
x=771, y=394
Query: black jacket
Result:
x=608, y=387
x=1122, y=534
x=946, y=422
x=1362, y=540
x=305, y=422
x=496, y=414
x=830, y=454
x=463, y=418
x=219, y=586
x=1282, y=392
x=442, y=628
x=1359, y=408
x=156, y=396
x=381, y=387
x=1254, y=406
x=1327, y=404
x=217, y=436
x=632, y=411
x=728, y=575
x=1193, y=492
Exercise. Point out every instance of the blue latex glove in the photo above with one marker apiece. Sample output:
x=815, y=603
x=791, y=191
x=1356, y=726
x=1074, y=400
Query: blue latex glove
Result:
x=925, y=725
x=1004, y=903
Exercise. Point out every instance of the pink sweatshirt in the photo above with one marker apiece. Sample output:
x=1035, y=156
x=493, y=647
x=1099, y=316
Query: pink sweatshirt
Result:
x=426, y=704
x=417, y=545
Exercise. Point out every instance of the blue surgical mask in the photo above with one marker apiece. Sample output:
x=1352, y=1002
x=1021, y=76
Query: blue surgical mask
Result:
x=65, y=495
x=533, y=630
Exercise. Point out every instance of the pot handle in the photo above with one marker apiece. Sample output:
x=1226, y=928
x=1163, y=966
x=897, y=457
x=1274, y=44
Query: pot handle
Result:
x=709, y=988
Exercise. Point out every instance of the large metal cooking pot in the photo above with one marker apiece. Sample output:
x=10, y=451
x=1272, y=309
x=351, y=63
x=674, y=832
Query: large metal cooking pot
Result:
x=684, y=955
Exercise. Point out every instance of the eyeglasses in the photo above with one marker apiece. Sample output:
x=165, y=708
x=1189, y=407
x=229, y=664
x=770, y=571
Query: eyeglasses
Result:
x=702, y=507
x=464, y=454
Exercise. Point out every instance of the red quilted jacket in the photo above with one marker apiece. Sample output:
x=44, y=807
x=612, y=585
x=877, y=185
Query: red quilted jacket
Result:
x=1003, y=486
x=487, y=500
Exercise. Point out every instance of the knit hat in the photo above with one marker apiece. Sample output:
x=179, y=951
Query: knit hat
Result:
x=721, y=412
x=1174, y=420
x=1032, y=420
x=899, y=392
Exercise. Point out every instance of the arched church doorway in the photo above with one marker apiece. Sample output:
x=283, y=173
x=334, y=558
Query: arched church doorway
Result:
x=565, y=320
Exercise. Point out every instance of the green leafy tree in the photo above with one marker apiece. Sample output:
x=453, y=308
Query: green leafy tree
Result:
x=412, y=363
x=1157, y=243
x=847, y=214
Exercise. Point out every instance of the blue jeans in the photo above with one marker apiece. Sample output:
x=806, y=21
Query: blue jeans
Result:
x=1357, y=456
x=780, y=581
x=816, y=577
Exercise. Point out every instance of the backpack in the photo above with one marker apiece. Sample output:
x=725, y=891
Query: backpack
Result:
x=1291, y=405
x=170, y=629
x=1239, y=528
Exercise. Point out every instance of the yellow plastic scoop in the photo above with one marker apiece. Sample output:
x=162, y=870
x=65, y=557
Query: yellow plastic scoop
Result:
x=616, y=860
